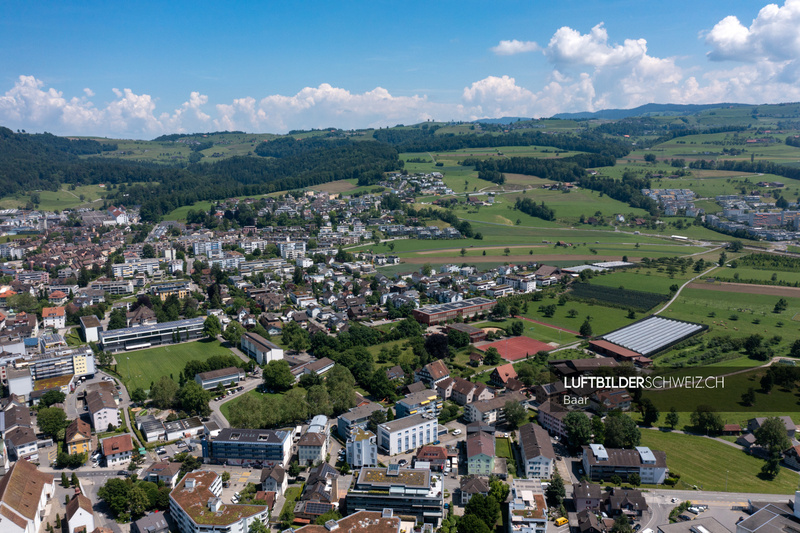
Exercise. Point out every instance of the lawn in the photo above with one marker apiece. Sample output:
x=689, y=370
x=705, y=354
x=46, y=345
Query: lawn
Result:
x=180, y=213
x=709, y=464
x=142, y=367
x=726, y=399
x=226, y=407
x=502, y=448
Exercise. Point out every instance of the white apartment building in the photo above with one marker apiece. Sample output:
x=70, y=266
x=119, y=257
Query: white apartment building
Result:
x=408, y=433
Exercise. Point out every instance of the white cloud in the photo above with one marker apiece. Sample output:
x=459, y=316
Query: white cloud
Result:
x=570, y=47
x=772, y=36
x=508, y=48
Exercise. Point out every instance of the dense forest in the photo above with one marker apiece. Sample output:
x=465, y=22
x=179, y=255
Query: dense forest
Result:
x=424, y=140
x=564, y=169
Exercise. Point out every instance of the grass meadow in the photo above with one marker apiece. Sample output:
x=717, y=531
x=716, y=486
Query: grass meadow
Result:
x=142, y=367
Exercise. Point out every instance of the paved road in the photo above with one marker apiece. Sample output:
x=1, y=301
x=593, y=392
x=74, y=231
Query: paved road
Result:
x=678, y=292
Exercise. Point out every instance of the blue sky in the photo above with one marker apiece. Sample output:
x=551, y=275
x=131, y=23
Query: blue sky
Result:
x=146, y=68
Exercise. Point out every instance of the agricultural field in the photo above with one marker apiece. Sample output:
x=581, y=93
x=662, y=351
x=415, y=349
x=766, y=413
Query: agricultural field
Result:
x=637, y=300
x=728, y=398
x=603, y=319
x=171, y=152
x=689, y=455
x=753, y=275
x=641, y=279
x=738, y=314
x=142, y=367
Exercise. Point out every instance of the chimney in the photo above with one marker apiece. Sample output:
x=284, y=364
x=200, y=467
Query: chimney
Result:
x=797, y=503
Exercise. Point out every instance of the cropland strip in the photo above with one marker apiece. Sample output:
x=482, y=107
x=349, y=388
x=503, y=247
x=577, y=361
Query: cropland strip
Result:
x=520, y=258
x=746, y=288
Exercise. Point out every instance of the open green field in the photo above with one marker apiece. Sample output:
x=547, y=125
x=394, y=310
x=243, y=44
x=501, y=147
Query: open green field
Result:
x=59, y=200
x=749, y=273
x=737, y=314
x=603, y=319
x=532, y=330
x=642, y=279
x=726, y=399
x=179, y=214
x=142, y=367
x=226, y=407
x=171, y=152
x=707, y=463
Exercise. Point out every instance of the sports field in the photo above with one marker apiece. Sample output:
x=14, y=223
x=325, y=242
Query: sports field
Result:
x=142, y=367
x=516, y=348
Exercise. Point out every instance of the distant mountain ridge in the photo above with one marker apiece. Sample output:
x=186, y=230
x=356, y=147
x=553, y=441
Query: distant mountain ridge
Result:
x=644, y=110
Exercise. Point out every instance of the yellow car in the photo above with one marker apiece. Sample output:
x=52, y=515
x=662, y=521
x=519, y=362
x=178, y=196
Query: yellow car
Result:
x=561, y=521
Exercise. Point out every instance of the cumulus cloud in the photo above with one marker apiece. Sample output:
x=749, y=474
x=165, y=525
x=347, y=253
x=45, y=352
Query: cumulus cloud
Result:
x=570, y=47
x=509, y=48
x=771, y=36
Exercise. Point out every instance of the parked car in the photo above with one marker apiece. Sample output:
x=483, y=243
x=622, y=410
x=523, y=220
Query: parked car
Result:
x=402, y=462
x=456, y=432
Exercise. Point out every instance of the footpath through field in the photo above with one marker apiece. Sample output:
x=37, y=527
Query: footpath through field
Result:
x=748, y=288
x=565, y=330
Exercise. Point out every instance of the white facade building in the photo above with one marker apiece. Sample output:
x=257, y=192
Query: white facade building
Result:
x=408, y=433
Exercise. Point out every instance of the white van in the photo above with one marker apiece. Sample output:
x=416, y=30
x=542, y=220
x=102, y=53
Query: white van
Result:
x=648, y=530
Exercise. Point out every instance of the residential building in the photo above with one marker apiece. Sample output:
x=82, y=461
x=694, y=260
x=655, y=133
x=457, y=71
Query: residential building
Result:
x=260, y=349
x=312, y=448
x=151, y=523
x=274, y=479
x=357, y=417
x=102, y=409
x=435, y=456
x=470, y=486
x=480, y=454
x=248, y=447
x=196, y=507
x=165, y=290
x=551, y=417
x=465, y=391
x=360, y=522
x=491, y=411
x=432, y=373
x=527, y=511
x=426, y=401
x=407, y=491
x=21, y=443
x=117, y=449
x=78, y=437
x=587, y=496
x=54, y=317
x=79, y=513
x=223, y=376
x=408, y=433
x=600, y=462
x=500, y=375
x=362, y=448
x=155, y=335
x=165, y=472
x=538, y=456
x=755, y=423
x=630, y=502
x=24, y=493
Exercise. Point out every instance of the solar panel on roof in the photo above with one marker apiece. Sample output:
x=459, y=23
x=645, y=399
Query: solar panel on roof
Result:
x=317, y=507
